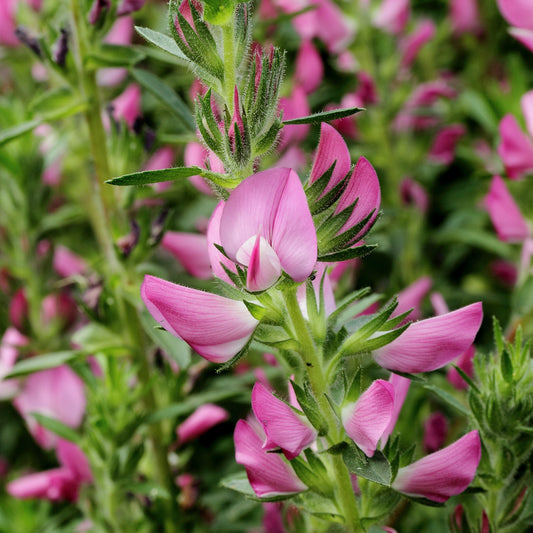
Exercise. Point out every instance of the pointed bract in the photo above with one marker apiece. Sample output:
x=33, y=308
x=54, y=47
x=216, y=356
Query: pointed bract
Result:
x=442, y=474
x=432, y=343
x=283, y=427
x=216, y=327
x=366, y=420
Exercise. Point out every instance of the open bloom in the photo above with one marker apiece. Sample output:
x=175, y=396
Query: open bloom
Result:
x=444, y=473
x=432, y=343
x=216, y=327
x=269, y=473
x=266, y=226
x=366, y=420
x=283, y=427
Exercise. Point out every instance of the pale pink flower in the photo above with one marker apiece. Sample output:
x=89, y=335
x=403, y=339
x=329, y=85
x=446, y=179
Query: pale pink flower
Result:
x=197, y=155
x=392, y=16
x=309, y=68
x=411, y=298
x=401, y=388
x=7, y=23
x=464, y=16
x=216, y=327
x=442, y=474
x=294, y=106
x=412, y=43
x=127, y=106
x=202, y=420
x=67, y=264
x=518, y=13
x=190, y=249
x=11, y=341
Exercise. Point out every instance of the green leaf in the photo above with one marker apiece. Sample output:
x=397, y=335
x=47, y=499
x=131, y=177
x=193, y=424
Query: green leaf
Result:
x=324, y=116
x=375, y=468
x=162, y=41
x=18, y=130
x=57, y=427
x=448, y=398
x=239, y=483
x=162, y=91
x=218, y=12
x=113, y=55
x=95, y=337
x=506, y=367
x=155, y=176
x=176, y=348
x=53, y=100
x=350, y=253
x=42, y=362
x=152, y=490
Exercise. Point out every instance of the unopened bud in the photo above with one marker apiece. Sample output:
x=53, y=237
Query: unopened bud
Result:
x=31, y=42
x=59, y=53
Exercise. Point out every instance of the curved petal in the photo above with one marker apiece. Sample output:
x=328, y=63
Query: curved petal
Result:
x=515, y=148
x=54, y=485
x=203, y=419
x=517, y=12
x=364, y=186
x=216, y=258
x=264, y=268
x=412, y=296
x=269, y=474
x=366, y=420
x=401, y=388
x=190, y=250
x=272, y=203
x=216, y=327
x=283, y=427
x=432, y=343
x=524, y=36
x=444, y=473
x=72, y=458
x=331, y=149
x=526, y=102
x=309, y=67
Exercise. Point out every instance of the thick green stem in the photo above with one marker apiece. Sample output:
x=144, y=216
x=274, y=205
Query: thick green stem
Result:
x=313, y=362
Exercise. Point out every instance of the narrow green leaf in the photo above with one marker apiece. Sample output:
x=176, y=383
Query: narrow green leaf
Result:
x=156, y=176
x=18, y=130
x=324, y=116
x=162, y=91
x=57, y=427
x=448, y=398
x=350, y=253
x=42, y=362
x=239, y=483
x=113, y=55
x=162, y=41
x=506, y=367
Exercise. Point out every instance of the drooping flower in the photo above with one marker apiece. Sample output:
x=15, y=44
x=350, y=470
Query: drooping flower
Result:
x=203, y=419
x=269, y=473
x=67, y=264
x=266, y=225
x=366, y=420
x=283, y=427
x=216, y=327
x=442, y=474
x=411, y=298
x=432, y=343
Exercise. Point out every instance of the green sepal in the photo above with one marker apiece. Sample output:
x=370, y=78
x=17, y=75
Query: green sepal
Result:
x=466, y=378
x=377, y=342
x=506, y=366
x=314, y=476
x=332, y=225
x=346, y=305
x=310, y=407
x=267, y=140
x=376, y=468
x=325, y=116
x=354, y=390
x=350, y=253
x=257, y=311
x=447, y=398
x=326, y=201
x=315, y=189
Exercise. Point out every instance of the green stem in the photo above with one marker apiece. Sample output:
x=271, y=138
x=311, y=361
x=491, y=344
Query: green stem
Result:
x=229, y=63
x=313, y=362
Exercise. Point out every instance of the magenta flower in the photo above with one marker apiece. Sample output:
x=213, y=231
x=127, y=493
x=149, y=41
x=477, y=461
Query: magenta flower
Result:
x=203, y=419
x=412, y=296
x=190, y=249
x=435, y=432
x=443, y=148
x=284, y=428
x=7, y=23
x=505, y=215
x=197, y=155
x=412, y=193
x=432, y=343
x=57, y=393
x=412, y=44
x=366, y=420
x=442, y=474
x=519, y=13
x=392, y=16
x=216, y=327
x=464, y=16
x=61, y=483
x=11, y=341
x=216, y=258
x=127, y=106
x=516, y=148
x=309, y=68
x=294, y=106
x=67, y=264
x=401, y=388
x=266, y=225
x=269, y=473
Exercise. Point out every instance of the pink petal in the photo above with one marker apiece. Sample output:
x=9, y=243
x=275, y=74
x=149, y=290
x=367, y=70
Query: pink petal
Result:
x=524, y=36
x=364, y=185
x=366, y=420
x=435, y=432
x=56, y=484
x=526, y=102
x=264, y=268
x=9, y=344
x=309, y=67
x=505, y=215
x=432, y=343
x=203, y=419
x=411, y=45
x=401, y=388
x=120, y=33
x=72, y=458
x=272, y=203
x=127, y=106
x=517, y=12
x=444, y=473
x=466, y=363
x=190, y=250
x=331, y=149
x=269, y=474
x=216, y=327
x=216, y=258
x=8, y=23
x=283, y=427
x=515, y=148
x=392, y=16
x=412, y=193
x=294, y=106
x=412, y=296
x=464, y=15
x=443, y=148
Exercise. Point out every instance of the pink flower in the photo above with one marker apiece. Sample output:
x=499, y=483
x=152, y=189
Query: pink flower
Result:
x=516, y=148
x=294, y=106
x=466, y=363
x=412, y=296
x=197, y=155
x=61, y=483
x=129, y=6
x=11, y=341
x=432, y=343
x=435, y=431
x=505, y=215
x=366, y=420
x=7, y=23
x=392, y=16
x=57, y=393
x=464, y=16
x=517, y=12
x=412, y=193
x=202, y=420
x=411, y=45
x=401, y=388
x=443, y=148
x=284, y=428
x=523, y=36
x=444, y=473
x=190, y=250
x=216, y=327
x=127, y=106
x=309, y=67
x=269, y=473
x=67, y=264
x=266, y=225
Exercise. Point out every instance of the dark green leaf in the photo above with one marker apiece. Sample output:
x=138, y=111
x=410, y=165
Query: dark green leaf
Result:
x=375, y=468
x=155, y=176
x=350, y=253
x=325, y=116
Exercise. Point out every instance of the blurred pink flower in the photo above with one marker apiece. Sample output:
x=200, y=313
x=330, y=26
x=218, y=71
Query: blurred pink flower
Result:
x=309, y=68
x=190, y=249
x=464, y=16
x=435, y=432
x=392, y=16
x=127, y=106
x=294, y=106
x=7, y=23
x=202, y=420
x=11, y=341
x=121, y=33
x=66, y=263
x=412, y=193
x=411, y=44
x=443, y=148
